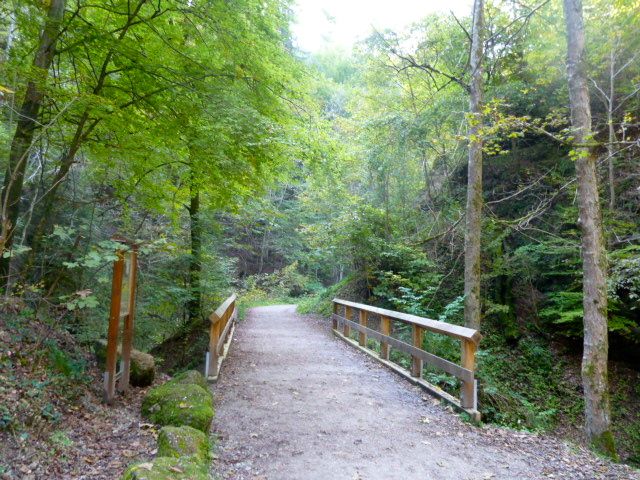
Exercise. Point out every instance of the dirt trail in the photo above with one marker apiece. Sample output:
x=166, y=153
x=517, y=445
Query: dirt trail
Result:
x=293, y=402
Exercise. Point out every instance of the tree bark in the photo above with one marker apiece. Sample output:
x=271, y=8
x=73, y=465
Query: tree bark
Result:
x=194, y=305
x=612, y=133
x=594, y=358
x=473, y=227
x=23, y=137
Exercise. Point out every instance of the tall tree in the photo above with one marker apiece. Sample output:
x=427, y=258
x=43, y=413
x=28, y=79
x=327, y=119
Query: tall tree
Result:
x=474, y=183
x=595, y=354
x=25, y=130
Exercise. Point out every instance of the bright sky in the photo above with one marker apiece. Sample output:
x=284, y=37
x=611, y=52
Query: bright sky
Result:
x=321, y=23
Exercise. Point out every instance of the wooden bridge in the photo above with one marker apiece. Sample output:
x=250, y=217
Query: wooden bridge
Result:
x=306, y=397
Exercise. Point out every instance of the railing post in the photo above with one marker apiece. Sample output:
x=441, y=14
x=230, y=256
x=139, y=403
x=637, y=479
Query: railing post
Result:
x=346, y=330
x=335, y=312
x=416, y=364
x=112, y=334
x=129, y=321
x=385, y=329
x=363, y=320
x=468, y=360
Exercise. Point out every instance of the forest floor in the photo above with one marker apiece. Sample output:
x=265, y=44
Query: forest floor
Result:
x=53, y=424
x=295, y=402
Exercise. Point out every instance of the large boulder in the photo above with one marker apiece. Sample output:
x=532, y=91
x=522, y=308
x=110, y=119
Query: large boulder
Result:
x=167, y=468
x=179, y=404
x=183, y=442
x=143, y=367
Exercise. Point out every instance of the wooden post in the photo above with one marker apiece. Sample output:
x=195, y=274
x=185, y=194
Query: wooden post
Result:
x=129, y=320
x=385, y=329
x=416, y=364
x=363, y=320
x=335, y=311
x=346, y=331
x=112, y=334
x=468, y=361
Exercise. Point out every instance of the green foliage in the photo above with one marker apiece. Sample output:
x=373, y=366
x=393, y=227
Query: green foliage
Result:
x=524, y=387
x=321, y=302
x=63, y=363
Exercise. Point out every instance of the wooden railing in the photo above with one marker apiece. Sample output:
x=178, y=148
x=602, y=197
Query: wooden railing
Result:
x=468, y=337
x=222, y=323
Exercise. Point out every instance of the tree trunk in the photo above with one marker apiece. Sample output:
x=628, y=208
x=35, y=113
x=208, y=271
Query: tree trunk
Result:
x=612, y=132
x=194, y=305
x=23, y=137
x=473, y=228
x=594, y=358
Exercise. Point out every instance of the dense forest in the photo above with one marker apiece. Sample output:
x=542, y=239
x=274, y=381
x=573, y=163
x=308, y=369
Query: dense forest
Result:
x=480, y=170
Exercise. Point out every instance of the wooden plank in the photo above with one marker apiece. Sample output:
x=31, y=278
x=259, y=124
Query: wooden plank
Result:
x=214, y=330
x=335, y=322
x=112, y=333
x=444, y=365
x=225, y=352
x=468, y=360
x=129, y=322
x=456, y=331
x=346, y=329
x=385, y=329
x=416, y=362
x=223, y=337
x=363, y=318
x=221, y=310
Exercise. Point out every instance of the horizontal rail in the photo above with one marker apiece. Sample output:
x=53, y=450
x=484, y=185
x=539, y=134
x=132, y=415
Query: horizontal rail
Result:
x=456, y=331
x=222, y=310
x=445, y=365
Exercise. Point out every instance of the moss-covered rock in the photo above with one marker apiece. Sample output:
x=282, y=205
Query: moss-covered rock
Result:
x=183, y=441
x=191, y=376
x=179, y=404
x=166, y=468
x=143, y=368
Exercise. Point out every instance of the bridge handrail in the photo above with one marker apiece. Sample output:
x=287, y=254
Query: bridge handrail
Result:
x=221, y=323
x=469, y=338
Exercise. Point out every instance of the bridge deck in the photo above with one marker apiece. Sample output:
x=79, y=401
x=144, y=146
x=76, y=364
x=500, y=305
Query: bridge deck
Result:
x=294, y=402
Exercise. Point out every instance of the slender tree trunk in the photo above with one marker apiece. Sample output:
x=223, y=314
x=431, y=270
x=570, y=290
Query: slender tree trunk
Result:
x=594, y=358
x=473, y=228
x=612, y=133
x=23, y=137
x=194, y=305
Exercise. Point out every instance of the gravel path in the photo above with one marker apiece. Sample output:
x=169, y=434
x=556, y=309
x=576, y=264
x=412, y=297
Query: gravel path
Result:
x=294, y=402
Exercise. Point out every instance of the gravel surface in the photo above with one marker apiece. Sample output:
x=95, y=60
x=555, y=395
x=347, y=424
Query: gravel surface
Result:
x=294, y=402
